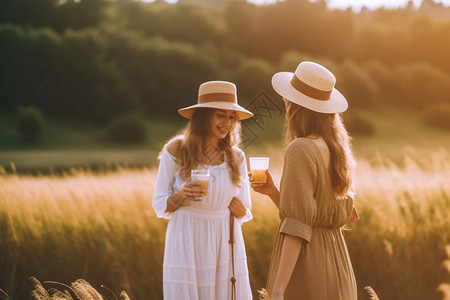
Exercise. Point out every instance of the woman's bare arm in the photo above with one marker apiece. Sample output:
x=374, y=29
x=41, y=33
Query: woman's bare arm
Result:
x=269, y=188
x=291, y=248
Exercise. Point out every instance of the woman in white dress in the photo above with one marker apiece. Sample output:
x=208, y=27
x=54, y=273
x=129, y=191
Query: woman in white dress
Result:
x=198, y=255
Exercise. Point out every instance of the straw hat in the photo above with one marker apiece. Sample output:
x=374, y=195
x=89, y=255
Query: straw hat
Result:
x=310, y=86
x=219, y=95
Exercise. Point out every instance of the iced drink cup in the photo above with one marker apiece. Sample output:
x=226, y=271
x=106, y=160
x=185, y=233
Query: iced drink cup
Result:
x=201, y=176
x=258, y=168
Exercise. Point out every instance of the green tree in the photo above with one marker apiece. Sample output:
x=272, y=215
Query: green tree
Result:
x=183, y=21
x=56, y=14
x=129, y=128
x=27, y=12
x=422, y=84
x=355, y=85
x=30, y=123
x=253, y=77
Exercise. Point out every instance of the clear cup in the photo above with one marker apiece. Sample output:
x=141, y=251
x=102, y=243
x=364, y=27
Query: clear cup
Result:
x=258, y=168
x=201, y=176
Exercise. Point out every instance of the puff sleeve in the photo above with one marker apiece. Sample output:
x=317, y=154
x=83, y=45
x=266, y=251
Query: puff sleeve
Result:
x=298, y=207
x=164, y=184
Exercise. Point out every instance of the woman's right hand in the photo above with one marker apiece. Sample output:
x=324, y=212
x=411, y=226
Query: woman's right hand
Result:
x=191, y=191
x=267, y=188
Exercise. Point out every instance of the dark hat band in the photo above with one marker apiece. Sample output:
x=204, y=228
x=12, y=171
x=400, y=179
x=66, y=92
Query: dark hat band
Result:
x=217, y=97
x=309, y=91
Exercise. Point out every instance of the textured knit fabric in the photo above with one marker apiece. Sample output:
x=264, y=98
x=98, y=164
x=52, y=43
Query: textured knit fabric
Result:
x=309, y=210
x=197, y=256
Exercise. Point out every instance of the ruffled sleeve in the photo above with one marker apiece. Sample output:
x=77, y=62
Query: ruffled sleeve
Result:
x=244, y=190
x=164, y=184
x=298, y=207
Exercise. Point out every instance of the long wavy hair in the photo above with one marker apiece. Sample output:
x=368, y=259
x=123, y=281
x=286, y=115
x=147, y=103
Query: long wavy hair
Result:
x=193, y=144
x=302, y=122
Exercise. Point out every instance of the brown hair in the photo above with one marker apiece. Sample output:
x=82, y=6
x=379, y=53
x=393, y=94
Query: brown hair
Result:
x=193, y=144
x=302, y=122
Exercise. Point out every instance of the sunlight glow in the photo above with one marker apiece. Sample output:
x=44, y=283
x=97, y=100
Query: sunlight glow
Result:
x=358, y=4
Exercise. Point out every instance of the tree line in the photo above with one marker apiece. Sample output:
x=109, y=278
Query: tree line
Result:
x=95, y=60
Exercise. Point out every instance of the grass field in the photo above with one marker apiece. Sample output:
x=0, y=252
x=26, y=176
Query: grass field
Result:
x=101, y=227
x=79, y=207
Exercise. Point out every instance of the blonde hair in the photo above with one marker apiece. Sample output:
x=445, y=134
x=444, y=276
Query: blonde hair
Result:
x=302, y=122
x=193, y=145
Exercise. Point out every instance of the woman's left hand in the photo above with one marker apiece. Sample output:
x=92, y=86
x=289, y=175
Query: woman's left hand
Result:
x=237, y=208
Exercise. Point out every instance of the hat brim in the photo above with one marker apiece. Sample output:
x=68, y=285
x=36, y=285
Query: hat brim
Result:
x=241, y=112
x=281, y=83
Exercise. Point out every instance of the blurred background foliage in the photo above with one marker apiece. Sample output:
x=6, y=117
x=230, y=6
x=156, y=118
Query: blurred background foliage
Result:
x=82, y=79
x=95, y=60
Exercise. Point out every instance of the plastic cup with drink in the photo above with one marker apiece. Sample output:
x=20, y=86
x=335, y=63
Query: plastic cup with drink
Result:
x=201, y=177
x=258, y=168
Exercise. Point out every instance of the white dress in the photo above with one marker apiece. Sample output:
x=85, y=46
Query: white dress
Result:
x=197, y=254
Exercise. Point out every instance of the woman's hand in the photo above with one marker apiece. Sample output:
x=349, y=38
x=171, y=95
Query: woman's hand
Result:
x=267, y=188
x=190, y=191
x=237, y=208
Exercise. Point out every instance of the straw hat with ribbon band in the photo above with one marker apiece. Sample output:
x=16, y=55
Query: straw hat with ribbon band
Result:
x=310, y=86
x=218, y=95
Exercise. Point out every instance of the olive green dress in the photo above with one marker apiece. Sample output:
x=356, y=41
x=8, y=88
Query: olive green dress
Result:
x=309, y=210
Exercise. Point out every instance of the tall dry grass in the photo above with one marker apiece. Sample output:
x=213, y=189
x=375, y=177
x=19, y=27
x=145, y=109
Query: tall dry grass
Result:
x=101, y=227
x=445, y=287
x=81, y=225
x=399, y=245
